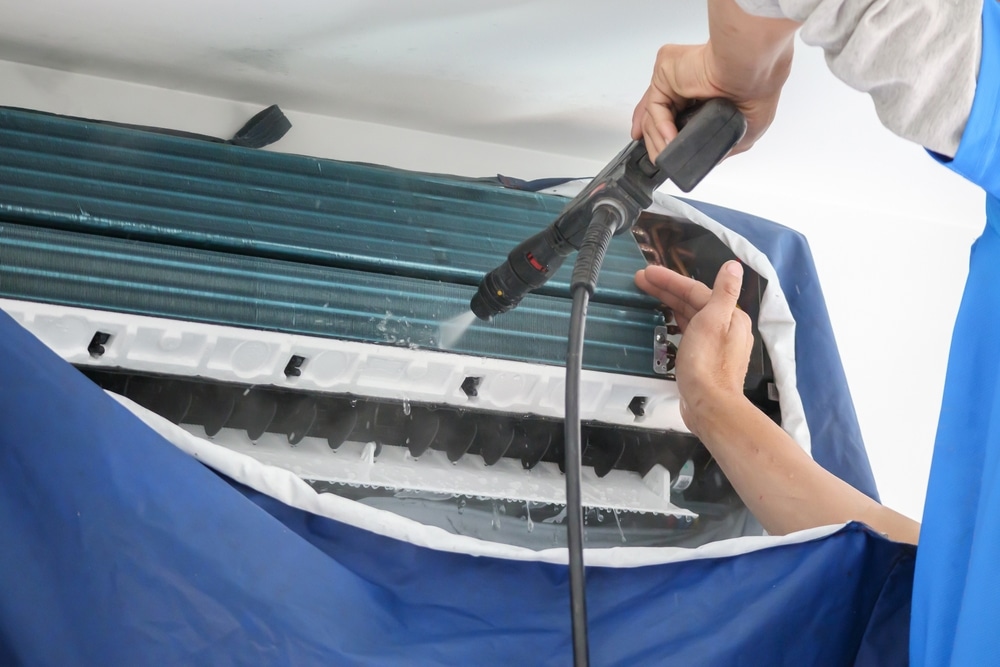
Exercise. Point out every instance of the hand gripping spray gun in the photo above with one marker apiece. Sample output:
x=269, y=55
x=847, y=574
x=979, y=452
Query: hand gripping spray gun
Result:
x=609, y=205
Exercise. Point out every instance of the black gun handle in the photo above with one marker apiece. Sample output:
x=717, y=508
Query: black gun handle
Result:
x=708, y=131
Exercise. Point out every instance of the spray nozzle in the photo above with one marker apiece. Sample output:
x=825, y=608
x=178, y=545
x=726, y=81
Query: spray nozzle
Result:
x=528, y=266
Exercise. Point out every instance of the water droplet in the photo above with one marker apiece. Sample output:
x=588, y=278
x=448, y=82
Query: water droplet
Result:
x=354, y=402
x=527, y=510
x=620, y=531
x=461, y=505
x=495, y=522
x=406, y=408
x=600, y=517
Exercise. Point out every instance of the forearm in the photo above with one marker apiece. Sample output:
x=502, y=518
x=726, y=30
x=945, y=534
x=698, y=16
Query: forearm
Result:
x=918, y=59
x=750, y=55
x=784, y=488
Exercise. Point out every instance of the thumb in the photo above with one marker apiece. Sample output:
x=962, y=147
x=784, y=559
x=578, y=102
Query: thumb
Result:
x=637, y=114
x=726, y=290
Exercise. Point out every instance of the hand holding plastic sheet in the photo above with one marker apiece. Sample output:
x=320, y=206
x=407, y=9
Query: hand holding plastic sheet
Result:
x=784, y=488
x=714, y=355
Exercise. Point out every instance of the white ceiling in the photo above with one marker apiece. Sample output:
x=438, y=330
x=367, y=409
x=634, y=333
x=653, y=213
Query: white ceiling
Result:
x=557, y=75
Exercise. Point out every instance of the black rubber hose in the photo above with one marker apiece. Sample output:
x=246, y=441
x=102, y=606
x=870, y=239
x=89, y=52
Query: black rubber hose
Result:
x=606, y=221
x=603, y=226
x=574, y=505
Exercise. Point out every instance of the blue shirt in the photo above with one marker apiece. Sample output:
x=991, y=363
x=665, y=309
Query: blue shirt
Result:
x=956, y=595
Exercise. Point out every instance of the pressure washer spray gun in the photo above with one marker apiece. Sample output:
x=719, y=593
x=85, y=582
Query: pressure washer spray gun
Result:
x=609, y=205
x=620, y=192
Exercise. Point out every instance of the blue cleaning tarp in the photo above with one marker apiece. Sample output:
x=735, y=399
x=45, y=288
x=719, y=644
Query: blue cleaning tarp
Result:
x=821, y=383
x=120, y=549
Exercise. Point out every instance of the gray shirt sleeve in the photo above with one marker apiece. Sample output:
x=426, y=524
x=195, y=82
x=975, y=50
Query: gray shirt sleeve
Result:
x=918, y=59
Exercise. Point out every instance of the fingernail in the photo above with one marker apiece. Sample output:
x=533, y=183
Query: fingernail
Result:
x=735, y=268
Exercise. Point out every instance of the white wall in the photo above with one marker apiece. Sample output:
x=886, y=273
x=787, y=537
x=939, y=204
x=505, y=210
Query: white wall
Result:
x=890, y=230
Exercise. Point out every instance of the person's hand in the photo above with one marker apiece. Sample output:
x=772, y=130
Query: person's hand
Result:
x=746, y=60
x=683, y=74
x=780, y=483
x=714, y=353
